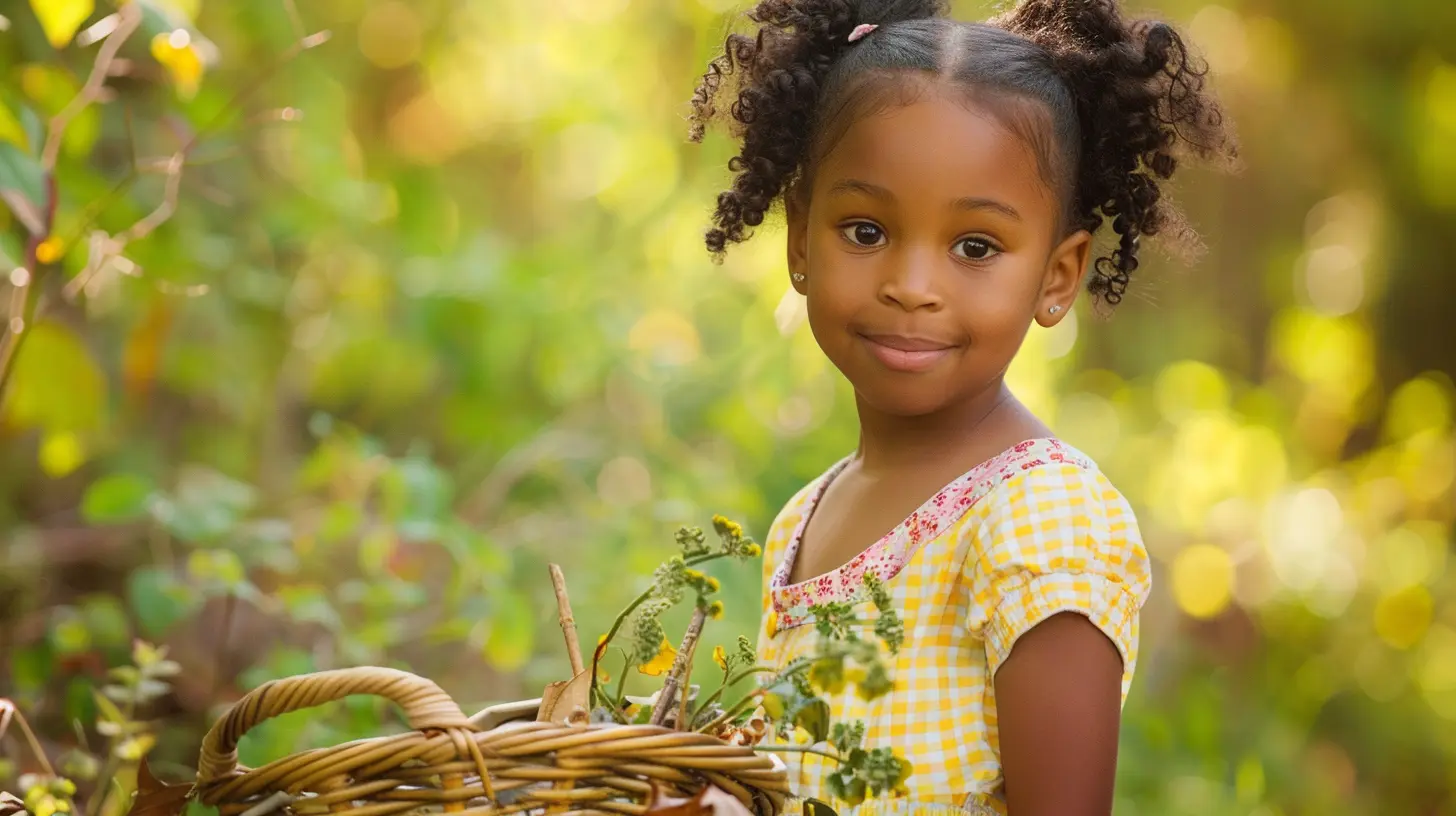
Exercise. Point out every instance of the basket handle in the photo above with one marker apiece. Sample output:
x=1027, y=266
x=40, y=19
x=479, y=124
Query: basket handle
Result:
x=425, y=706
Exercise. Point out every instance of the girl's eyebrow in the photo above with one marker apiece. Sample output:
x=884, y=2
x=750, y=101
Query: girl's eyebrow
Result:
x=856, y=186
x=849, y=185
x=974, y=203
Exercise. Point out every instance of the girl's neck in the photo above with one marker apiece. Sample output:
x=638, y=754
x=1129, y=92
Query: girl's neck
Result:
x=889, y=443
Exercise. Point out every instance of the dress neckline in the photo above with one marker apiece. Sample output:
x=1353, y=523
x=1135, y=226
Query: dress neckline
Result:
x=890, y=552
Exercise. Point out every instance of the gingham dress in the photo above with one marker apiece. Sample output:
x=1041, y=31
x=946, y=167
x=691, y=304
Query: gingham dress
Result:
x=1032, y=532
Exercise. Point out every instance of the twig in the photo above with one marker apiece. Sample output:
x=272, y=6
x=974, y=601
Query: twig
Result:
x=8, y=711
x=129, y=17
x=568, y=623
x=107, y=249
x=24, y=302
x=718, y=695
x=798, y=749
x=727, y=716
x=687, y=684
x=626, y=613
x=668, y=696
x=272, y=803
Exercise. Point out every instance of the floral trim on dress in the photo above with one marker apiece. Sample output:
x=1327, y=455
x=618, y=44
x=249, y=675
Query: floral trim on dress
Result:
x=889, y=555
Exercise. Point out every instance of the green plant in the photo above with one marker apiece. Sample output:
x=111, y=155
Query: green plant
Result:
x=119, y=705
x=789, y=701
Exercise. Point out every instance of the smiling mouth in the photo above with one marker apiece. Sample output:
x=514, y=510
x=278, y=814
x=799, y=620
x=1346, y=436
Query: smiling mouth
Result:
x=908, y=354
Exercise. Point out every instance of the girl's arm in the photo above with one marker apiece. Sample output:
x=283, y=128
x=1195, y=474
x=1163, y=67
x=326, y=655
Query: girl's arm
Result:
x=1058, y=705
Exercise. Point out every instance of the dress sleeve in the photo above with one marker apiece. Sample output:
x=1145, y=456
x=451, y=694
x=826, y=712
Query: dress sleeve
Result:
x=1051, y=539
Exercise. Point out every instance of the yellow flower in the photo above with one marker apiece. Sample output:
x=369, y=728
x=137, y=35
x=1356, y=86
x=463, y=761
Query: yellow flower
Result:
x=175, y=51
x=715, y=610
x=713, y=585
x=720, y=657
x=50, y=250
x=658, y=666
x=754, y=551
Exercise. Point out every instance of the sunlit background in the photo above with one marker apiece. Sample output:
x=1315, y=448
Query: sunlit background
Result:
x=432, y=310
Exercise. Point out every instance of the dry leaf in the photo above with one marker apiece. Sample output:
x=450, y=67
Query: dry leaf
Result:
x=710, y=801
x=560, y=700
x=157, y=798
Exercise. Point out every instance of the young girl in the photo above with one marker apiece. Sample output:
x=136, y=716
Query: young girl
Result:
x=942, y=183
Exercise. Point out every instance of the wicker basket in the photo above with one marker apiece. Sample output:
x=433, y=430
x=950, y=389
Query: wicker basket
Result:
x=448, y=763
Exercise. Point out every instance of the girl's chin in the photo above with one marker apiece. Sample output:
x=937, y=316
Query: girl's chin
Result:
x=901, y=402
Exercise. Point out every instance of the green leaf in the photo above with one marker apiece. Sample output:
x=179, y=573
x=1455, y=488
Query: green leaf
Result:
x=813, y=717
x=108, y=710
x=158, y=599
x=512, y=632
x=196, y=808
x=61, y=19
x=216, y=566
x=340, y=521
x=69, y=634
x=206, y=506
x=12, y=130
x=105, y=618
x=116, y=498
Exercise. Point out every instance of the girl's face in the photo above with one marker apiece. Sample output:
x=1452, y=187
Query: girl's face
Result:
x=928, y=246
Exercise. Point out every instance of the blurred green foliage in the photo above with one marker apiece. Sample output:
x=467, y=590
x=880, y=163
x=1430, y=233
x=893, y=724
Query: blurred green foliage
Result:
x=431, y=310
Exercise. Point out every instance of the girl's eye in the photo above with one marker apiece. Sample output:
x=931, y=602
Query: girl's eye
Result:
x=863, y=234
x=975, y=249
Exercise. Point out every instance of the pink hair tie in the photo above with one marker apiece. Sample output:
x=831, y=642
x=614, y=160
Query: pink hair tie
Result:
x=860, y=31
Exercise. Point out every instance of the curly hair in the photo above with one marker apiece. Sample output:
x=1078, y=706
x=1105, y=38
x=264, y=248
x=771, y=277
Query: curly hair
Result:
x=1118, y=102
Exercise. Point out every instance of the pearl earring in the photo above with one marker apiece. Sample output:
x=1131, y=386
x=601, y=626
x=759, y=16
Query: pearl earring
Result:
x=1054, y=309
x=798, y=277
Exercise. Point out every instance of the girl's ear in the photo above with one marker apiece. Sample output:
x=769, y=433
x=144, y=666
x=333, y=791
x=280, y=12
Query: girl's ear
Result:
x=798, y=244
x=1065, y=271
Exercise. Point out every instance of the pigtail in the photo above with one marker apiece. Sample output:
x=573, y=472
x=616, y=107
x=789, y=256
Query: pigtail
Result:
x=1141, y=105
x=780, y=72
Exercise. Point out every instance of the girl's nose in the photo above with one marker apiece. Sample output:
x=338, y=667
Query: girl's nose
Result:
x=910, y=282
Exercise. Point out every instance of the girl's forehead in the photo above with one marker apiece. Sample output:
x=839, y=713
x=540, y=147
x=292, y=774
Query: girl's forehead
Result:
x=940, y=145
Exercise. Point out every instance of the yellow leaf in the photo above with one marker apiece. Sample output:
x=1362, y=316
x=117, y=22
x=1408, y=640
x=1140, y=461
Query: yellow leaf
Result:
x=175, y=52
x=136, y=747
x=55, y=384
x=11, y=130
x=60, y=454
x=658, y=666
x=60, y=19
x=720, y=657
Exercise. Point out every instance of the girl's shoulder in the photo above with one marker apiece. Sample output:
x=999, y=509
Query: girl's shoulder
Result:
x=1042, y=482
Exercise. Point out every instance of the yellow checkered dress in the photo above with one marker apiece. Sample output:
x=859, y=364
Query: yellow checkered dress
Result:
x=1034, y=531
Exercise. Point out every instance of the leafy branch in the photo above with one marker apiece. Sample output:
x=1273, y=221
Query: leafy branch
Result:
x=43, y=249
x=790, y=702
x=129, y=738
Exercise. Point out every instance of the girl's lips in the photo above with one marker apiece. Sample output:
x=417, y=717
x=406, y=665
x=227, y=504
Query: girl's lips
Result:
x=908, y=354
